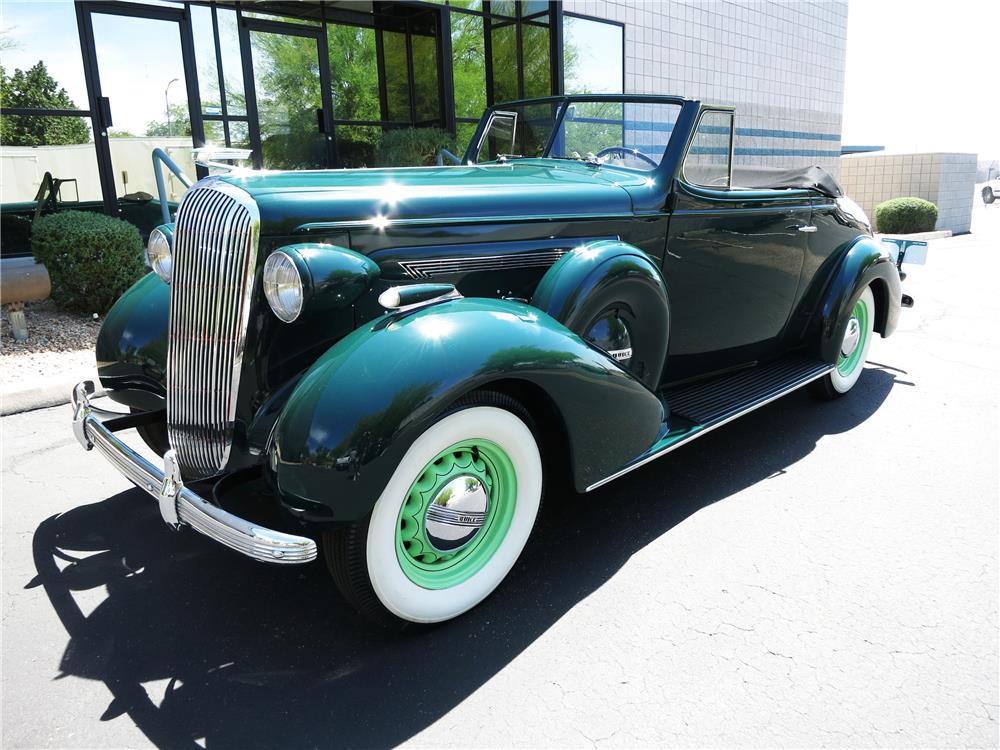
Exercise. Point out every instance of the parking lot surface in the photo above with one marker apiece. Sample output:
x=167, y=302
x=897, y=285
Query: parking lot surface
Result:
x=812, y=574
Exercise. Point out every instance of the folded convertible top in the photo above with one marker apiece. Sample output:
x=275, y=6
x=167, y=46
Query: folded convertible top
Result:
x=815, y=178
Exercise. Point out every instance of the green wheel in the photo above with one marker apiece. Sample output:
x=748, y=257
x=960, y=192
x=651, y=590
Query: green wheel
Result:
x=858, y=335
x=452, y=520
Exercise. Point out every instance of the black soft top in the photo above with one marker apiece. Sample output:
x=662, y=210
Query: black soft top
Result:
x=771, y=178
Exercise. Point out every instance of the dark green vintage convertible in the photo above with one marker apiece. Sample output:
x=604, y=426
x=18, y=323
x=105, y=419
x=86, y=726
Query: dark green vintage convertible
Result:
x=405, y=357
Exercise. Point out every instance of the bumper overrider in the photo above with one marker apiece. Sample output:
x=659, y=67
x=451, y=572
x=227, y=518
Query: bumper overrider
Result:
x=95, y=427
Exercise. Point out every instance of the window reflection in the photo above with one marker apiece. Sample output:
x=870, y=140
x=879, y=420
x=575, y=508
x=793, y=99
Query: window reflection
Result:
x=468, y=64
x=397, y=83
x=537, y=65
x=593, y=57
x=504, y=42
x=353, y=72
x=425, y=79
x=34, y=34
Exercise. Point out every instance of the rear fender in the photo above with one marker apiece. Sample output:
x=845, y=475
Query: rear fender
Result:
x=359, y=408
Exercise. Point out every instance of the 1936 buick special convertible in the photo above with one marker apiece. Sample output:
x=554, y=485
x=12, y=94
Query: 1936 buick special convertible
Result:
x=406, y=356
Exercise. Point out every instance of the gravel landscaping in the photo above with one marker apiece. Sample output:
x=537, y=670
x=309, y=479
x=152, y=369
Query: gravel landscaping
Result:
x=59, y=343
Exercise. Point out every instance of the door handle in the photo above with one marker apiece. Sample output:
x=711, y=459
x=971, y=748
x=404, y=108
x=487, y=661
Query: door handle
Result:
x=806, y=228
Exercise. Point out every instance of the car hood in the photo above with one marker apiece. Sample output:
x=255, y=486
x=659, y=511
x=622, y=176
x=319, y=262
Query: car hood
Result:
x=290, y=201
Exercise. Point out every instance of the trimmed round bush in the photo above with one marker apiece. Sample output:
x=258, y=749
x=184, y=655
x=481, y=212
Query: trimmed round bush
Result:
x=91, y=258
x=905, y=216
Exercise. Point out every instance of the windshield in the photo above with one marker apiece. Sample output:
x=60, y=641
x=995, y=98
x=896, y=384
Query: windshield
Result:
x=623, y=133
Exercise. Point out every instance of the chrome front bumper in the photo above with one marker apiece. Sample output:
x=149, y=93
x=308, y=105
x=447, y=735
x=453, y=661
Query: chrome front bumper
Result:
x=178, y=504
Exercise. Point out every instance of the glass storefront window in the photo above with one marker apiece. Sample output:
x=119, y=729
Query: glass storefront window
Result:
x=239, y=134
x=71, y=159
x=43, y=67
x=232, y=67
x=356, y=145
x=204, y=54
x=289, y=98
x=533, y=7
x=468, y=51
x=63, y=175
x=536, y=57
x=397, y=83
x=504, y=44
x=503, y=8
x=353, y=72
x=593, y=57
x=425, y=79
x=464, y=133
x=215, y=133
x=284, y=19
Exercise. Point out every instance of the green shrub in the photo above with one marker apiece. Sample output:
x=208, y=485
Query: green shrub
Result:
x=905, y=216
x=412, y=147
x=91, y=258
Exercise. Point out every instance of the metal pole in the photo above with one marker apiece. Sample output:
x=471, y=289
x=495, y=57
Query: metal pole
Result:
x=166, y=105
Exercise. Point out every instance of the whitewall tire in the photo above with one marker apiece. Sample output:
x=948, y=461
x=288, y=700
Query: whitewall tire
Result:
x=452, y=520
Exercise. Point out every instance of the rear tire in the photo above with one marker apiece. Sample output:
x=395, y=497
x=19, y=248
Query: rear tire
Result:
x=427, y=553
x=988, y=195
x=854, y=350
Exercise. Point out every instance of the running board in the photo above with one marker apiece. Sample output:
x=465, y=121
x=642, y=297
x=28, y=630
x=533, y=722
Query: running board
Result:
x=706, y=406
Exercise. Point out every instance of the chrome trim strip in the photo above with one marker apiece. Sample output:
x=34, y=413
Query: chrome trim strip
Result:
x=180, y=505
x=215, y=256
x=422, y=268
x=794, y=386
x=322, y=226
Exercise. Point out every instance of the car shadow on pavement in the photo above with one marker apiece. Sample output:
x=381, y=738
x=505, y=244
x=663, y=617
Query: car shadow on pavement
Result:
x=197, y=643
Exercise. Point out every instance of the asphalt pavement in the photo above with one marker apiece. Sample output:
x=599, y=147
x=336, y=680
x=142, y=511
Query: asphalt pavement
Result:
x=812, y=574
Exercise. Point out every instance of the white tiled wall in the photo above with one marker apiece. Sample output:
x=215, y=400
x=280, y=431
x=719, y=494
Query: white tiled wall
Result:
x=780, y=63
x=947, y=180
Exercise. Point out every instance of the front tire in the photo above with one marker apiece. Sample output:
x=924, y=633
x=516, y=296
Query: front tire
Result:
x=988, y=195
x=452, y=520
x=853, y=350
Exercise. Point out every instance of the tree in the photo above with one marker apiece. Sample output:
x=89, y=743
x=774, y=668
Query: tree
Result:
x=180, y=123
x=36, y=89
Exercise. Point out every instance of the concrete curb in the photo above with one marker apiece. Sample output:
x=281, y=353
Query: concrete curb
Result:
x=939, y=234
x=41, y=396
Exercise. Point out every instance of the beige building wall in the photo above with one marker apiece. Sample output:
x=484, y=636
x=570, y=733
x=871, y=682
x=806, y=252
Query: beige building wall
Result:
x=946, y=180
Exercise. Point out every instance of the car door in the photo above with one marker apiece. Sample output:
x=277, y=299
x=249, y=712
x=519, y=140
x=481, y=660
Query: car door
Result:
x=733, y=259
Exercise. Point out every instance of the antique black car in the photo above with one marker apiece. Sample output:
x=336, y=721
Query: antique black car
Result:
x=405, y=357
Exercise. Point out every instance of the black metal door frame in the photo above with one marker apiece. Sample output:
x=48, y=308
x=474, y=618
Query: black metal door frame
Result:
x=245, y=26
x=101, y=115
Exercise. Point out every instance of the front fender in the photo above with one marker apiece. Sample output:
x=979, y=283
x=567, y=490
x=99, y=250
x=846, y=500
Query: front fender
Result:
x=359, y=408
x=866, y=263
x=132, y=345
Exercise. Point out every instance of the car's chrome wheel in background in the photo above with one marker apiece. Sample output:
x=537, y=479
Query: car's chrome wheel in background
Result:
x=988, y=195
x=853, y=350
x=450, y=523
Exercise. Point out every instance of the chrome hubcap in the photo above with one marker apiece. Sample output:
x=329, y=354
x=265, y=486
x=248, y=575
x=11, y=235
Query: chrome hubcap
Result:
x=851, y=338
x=457, y=513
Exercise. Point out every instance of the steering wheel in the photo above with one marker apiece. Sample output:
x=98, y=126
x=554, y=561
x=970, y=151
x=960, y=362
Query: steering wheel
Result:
x=626, y=152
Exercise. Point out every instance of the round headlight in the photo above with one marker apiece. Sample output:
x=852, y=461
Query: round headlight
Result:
x=158, y=253
x=283, y=286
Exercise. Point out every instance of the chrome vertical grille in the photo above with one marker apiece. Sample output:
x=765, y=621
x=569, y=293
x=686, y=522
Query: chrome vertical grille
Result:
x=214, y=258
